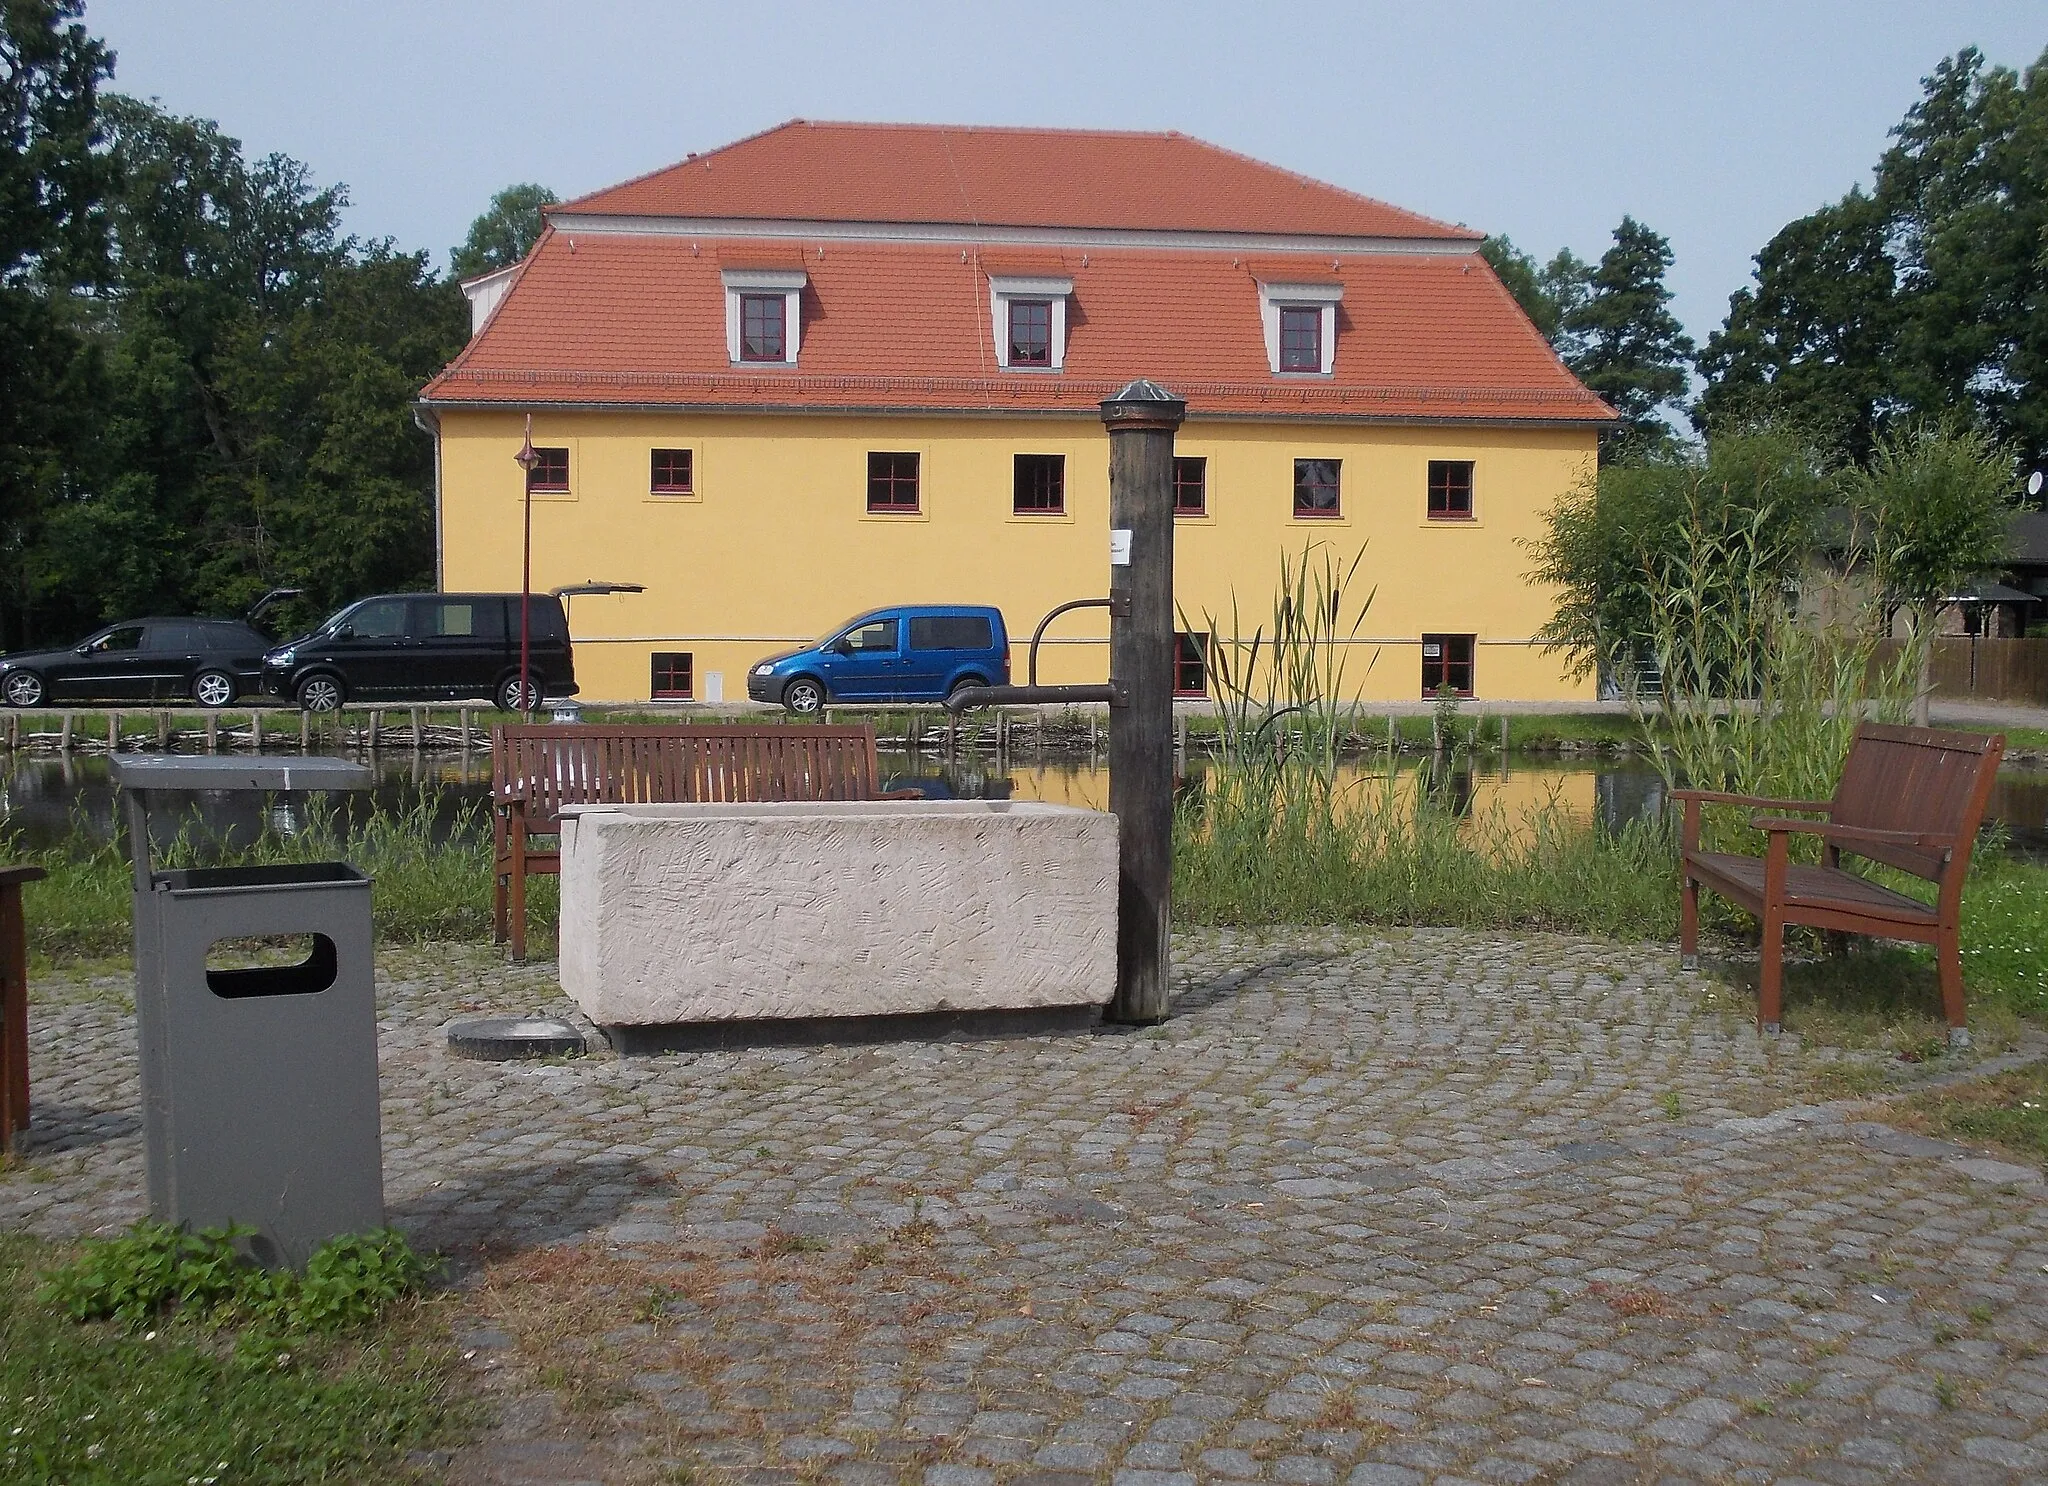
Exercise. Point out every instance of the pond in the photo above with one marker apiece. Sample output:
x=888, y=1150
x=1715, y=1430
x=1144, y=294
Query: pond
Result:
x=45, y=800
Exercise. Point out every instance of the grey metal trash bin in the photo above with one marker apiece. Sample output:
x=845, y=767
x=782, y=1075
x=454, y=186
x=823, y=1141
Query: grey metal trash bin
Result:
x=259, y=1086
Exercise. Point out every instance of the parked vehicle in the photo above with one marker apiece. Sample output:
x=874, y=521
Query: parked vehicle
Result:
x=208, y=661
x=914, y=653
x=422, y=646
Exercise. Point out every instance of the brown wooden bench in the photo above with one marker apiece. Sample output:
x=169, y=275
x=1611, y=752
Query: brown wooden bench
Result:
x=14, y=1004
x=538, y=769
x=1911, y=798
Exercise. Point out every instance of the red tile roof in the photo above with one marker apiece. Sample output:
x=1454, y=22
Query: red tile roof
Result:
x=1063, y=178
x=625, y=318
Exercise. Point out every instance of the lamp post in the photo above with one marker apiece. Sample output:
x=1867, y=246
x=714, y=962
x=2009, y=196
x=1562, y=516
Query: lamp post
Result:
x=526, y=459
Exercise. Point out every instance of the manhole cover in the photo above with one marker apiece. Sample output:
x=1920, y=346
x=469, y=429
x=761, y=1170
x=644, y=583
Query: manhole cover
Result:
x=500, y=1037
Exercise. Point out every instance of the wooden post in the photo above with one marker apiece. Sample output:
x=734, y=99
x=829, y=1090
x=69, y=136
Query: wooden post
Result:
x=213, y=732
x=113, y=732
x=416, y=737
x=64, y=735
x=305, y=731
x=13, y=1005
x=1141, y=420
x=376, y=723
x=467, y=724
x=256, y=732
x=163, y=732
x=1393, y=735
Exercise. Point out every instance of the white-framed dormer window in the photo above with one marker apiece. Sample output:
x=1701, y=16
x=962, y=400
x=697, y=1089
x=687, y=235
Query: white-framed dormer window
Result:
x=1029, y=320
x=763, y=323
x=1301, y=327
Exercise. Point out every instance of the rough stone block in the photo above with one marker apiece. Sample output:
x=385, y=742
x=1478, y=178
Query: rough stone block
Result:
x=704, y=913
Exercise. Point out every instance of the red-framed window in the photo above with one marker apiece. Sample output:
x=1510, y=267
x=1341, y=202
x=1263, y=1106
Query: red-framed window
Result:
x=673, y=472
x=1447, y=661
x=1031, y=332
x=892, y=482
x=1191, y=664
x=674, y=679
x=1190, y=485
x=550, y=470
x=1450, y=490
x=763, y=327
x=1317, y=492
x=1041, y=488
x=1301, y=339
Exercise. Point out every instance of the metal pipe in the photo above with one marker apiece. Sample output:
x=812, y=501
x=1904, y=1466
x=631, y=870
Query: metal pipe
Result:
x=966, y=698
x=1031, y=660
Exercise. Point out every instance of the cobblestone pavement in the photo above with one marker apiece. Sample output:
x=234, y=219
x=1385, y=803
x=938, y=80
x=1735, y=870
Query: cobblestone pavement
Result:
x=1377, y=1208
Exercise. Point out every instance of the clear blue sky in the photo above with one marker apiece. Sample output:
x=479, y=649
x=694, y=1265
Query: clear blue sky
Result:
x=1714, y=123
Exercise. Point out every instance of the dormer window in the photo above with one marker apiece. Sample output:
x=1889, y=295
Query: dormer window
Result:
x=1028, y=317
x=1030, y=332
x=763, y=325
x=1301, y=338
x=763, y=318
x=1301, y=327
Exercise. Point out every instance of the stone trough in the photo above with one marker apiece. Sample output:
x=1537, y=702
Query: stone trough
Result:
x=723, y=925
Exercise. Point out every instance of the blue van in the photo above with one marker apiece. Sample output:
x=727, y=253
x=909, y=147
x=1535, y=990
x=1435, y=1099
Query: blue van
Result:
x=913, y=653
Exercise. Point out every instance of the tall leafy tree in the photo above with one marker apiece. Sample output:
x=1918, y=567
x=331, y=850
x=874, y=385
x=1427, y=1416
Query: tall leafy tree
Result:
x=52, y=245
x=505, y=233
x=1812, y=344
x=1926, y=297
x=1936, y=504
x=1622, y=340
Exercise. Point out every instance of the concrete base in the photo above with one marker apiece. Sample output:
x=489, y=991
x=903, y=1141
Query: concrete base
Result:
x=815, y=1031
x=675, y=914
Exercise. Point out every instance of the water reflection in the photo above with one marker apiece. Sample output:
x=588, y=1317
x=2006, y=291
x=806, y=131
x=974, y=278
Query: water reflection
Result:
x=45, y=800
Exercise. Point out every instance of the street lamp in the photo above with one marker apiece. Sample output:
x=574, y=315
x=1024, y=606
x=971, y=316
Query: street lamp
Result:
x=526, y=459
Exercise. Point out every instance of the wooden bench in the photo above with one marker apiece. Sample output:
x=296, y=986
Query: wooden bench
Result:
x=14, y=1004
x=538, y=769
x=1911, y=798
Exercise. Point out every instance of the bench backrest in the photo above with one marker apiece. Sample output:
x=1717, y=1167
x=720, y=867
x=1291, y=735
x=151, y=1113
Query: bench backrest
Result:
x=1917, y=779
x=594, y=764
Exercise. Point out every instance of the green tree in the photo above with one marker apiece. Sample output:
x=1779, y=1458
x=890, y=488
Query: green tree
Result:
x=1622, y=340
x=1812, y=343
x=1605, y=541
x=52, y=245
x=505, y=233
x=1926, y=297
x=1519, y=275
x=1935, y=504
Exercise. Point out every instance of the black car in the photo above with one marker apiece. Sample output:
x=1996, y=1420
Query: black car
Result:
x=422, y=646
x=209, y=661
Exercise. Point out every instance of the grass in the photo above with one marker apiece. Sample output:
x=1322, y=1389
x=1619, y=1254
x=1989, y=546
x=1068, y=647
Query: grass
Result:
x=100, y=1402
x=432, y=874
x=2008, y=1112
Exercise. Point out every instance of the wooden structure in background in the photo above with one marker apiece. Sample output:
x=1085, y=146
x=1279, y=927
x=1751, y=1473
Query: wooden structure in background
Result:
x=1911, y=798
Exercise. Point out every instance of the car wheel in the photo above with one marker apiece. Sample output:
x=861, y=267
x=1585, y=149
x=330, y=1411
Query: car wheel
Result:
x=803, y=697
x=512, y=697
x=962, y=684
x=23, y=689
x=320, y=693
x=213, y=688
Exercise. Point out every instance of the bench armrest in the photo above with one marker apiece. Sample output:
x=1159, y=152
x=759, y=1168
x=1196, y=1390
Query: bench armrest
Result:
x=1755, y=802
x=1692, y=799
x=1926, y=840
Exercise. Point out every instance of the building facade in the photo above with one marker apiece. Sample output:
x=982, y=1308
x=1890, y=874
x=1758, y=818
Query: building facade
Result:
x=834, y=367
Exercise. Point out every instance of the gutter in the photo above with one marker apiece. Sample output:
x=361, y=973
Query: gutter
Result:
x=422, y=413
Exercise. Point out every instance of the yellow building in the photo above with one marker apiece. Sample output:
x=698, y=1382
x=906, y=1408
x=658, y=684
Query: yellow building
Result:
x=834, y=367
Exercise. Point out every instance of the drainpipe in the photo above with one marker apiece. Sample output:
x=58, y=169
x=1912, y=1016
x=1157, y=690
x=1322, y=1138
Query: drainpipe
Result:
x=429, y=423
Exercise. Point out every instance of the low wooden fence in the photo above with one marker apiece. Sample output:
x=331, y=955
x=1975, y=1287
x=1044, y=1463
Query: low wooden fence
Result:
x=1969, y=668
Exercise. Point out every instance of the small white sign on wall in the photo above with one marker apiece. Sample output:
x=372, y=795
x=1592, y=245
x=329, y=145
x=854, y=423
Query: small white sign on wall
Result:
x=714, y=686
x=1120, y=547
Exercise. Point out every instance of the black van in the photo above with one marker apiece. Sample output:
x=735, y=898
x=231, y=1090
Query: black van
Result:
x=426, y=646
